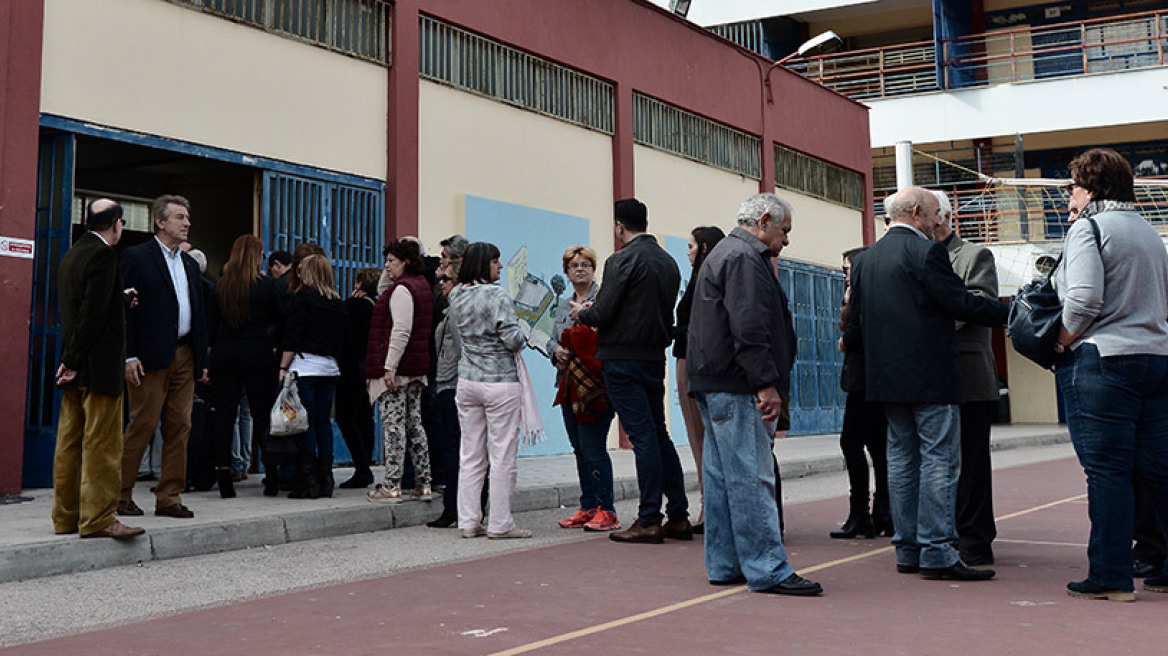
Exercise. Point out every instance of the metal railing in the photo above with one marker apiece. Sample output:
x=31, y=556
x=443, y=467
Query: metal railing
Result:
x=876, y=72
x=1100, y=45
x=815, y=177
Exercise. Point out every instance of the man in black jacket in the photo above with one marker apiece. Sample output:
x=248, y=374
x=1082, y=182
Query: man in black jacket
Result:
x=904, y=298
x=166, y=350
x=86, y=469
x=633, y=313
x=741, y=349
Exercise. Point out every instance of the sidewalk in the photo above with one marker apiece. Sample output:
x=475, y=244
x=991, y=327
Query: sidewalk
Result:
x=29, y=549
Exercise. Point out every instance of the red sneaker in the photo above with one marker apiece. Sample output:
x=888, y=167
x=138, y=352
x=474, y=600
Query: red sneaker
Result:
x=578, y=520
x=603, y=521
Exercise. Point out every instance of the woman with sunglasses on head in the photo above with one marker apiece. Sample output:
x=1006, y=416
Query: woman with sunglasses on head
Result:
x=1113, y=364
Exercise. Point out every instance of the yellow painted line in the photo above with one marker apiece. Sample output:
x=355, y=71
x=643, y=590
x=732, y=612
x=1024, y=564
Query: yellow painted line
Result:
x=1044, y=543
x=689, y=603
x=1044, y=506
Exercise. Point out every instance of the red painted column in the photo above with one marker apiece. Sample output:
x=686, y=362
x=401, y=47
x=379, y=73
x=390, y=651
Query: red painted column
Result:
x=623, y=167
x=401, y=176
x=21, y=26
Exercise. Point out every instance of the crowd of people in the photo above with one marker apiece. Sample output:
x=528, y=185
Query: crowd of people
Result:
x=433, y=344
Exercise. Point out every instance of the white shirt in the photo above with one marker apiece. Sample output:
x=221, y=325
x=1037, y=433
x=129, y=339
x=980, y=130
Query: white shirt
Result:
x=182, y=291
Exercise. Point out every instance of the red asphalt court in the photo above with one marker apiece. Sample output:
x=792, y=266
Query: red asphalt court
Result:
x=595, y=596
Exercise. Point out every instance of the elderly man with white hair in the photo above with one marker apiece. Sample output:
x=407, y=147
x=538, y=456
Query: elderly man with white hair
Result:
x=741, y=349
x=979, y=393
x=904, y=299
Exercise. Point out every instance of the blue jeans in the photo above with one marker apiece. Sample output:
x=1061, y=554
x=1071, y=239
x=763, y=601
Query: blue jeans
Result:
x=742, y=521
x=593, y=466
x=1117, y=414
x=316, y=393
x=636, y=389
x=924, y=463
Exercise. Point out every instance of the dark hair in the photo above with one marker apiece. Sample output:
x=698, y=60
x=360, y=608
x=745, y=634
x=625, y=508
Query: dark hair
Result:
x=408, y=251
x=367, y=279
x=476, y=264
x=102, y=219
x=283, y=257
x=706, y=237
x=632, y=214
x=1104, y=173
x=851, y=253
x=160, y=208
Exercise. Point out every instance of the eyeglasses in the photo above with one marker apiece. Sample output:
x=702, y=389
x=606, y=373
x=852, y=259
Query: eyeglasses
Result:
x=580, y=265
x=445, y=279
x=1069, y=188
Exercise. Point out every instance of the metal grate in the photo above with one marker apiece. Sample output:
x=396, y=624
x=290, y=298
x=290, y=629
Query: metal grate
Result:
x=359, y=28
x=815, y=177
x=748, y=34
x=673, y=130
x=473, y=63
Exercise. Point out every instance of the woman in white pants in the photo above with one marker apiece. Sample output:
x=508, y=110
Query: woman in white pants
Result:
x=488, y=399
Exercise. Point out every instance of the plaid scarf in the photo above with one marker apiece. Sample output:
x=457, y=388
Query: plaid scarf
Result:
x=582, y=385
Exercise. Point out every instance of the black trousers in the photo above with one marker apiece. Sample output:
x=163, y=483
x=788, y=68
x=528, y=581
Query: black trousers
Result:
x=237, y=366
x=865, y=428
x=1150, y=546
x=355, y=419
x=976, y=529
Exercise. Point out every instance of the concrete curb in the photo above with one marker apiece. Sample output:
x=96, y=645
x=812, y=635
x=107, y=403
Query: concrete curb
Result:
x=52, y=557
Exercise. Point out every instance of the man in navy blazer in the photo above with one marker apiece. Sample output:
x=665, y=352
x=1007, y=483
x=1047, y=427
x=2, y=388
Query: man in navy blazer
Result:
x=905, y=297
x=166, y=350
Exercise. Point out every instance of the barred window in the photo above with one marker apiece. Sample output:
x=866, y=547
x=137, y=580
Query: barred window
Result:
x=359, y=28
x=473, y=63
x=662, y=126
x=815, y=177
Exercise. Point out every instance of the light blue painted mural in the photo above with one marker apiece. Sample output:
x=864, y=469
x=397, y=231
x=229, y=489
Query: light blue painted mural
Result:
x=532, y=242
x=677, y=247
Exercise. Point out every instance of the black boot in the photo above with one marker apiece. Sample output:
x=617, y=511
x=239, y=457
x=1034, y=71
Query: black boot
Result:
x=324, y=481
x=858, y=524
x=882, y=518
x=304, y=483
x=226, y=484
x=362, y=478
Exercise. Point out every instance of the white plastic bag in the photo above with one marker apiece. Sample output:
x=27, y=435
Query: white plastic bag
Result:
x=289, y=416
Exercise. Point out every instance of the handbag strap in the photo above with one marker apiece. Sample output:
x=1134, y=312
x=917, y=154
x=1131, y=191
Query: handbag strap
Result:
x=1098, y=245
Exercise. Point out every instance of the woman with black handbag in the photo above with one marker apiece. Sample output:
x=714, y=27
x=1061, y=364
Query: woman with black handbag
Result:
x=1112, y=368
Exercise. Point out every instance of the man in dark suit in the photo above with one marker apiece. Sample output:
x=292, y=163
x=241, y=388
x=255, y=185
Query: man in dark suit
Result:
x=905, y=297
x=166, y=350
x=87, y=466
x=980, y=391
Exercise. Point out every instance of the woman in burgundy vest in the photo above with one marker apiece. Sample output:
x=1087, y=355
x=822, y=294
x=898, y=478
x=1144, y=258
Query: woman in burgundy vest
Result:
x=396, y=364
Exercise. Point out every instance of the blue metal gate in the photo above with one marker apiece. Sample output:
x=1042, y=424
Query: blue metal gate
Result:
x=54, y=212
x=817, y=401
x=347, y=221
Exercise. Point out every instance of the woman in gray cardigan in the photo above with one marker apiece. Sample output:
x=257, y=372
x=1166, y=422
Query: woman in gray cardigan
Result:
x=1113, y=367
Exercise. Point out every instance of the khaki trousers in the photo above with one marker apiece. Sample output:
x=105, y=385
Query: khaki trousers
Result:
x=173, y=390
x=87, y=466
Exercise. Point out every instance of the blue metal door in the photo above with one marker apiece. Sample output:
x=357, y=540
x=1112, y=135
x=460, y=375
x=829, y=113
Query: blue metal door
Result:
x=347, y=221
x=54, y=212
x=817, y=402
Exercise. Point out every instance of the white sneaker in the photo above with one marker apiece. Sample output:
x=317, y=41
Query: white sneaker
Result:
x=509, y=535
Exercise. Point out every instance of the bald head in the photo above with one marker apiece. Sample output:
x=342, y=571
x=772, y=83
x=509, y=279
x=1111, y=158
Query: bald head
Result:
x=916, y=207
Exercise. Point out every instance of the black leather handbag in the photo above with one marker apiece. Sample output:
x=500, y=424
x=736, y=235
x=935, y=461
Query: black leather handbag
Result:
x=1036, y=316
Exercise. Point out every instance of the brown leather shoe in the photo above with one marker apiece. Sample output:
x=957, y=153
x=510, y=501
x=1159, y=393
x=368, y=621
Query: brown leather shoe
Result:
x=127, y=507
x=637, y=534
x=679, y=529
x=178, y=511
x=117, y=531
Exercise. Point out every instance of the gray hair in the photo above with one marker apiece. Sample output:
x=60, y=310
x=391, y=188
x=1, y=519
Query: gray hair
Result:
x=753, y=209
x=455, y=246
x=200, y=258
x=904, y=200
x=946, y=206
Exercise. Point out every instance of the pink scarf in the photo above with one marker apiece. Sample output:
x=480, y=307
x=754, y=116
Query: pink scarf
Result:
x=530, y=424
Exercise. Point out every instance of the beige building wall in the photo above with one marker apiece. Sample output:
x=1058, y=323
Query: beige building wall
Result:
x=474, y=146
x=822, y=231
x=166, y=70
x=1032, y=391
x=682, y=194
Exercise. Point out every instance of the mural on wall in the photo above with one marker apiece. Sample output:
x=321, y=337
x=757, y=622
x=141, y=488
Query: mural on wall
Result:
x=532, y=243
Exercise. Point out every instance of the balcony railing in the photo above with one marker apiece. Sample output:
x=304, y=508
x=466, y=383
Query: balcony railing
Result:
x=1085, y=47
